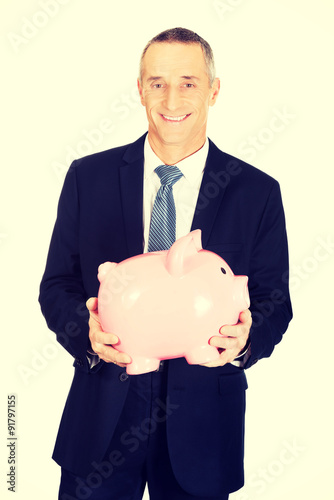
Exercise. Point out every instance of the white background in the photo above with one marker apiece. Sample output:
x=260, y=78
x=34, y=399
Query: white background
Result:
x=65, y=72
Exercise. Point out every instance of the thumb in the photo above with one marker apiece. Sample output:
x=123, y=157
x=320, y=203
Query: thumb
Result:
x=91, y=304
x=245, y=316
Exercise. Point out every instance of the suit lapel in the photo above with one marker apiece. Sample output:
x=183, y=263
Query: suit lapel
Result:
x=214, y=183
x=131, y=186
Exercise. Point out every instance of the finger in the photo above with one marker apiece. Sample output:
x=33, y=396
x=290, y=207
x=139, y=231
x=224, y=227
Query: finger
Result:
x=223, y=342
x=228, y=331
x=245, y=319
x=122, y=359
x=91, y=304
x=104, y=338
x=224, y=358
x=111, y=355
x=235, y=331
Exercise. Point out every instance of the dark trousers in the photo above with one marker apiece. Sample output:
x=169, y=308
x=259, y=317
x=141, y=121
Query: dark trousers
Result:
x=137, y=454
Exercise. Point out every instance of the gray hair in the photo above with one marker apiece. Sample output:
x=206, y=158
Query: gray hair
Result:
x=183, y=35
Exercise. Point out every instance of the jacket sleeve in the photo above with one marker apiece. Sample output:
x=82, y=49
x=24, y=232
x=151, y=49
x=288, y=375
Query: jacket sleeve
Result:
x=62, y=296
x=268, y=280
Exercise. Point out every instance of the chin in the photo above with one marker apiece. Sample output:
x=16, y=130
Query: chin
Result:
x=173, y=139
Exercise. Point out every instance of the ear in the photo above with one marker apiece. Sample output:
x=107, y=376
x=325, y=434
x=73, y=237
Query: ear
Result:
x=141, y=92
x=104, y=269
x=183, y=248
x=214, y=91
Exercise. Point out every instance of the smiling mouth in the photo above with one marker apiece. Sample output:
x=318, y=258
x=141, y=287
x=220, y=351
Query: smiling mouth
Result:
x=175, y=119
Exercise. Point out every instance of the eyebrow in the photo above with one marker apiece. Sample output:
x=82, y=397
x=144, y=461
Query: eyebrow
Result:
x=154, y=78
x=184, y=77
x=192, y=77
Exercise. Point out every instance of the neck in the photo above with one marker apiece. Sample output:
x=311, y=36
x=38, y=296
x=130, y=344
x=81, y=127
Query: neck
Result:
x=170, y=154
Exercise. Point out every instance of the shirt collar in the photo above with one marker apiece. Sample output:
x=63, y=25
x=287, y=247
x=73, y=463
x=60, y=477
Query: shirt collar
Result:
x=191, y=167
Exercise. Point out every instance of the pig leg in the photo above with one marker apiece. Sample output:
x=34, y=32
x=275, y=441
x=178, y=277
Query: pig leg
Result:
x=142, y=365
x=202, y=354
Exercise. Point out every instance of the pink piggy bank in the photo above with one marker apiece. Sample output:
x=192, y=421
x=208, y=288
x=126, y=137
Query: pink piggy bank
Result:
x=169, y=304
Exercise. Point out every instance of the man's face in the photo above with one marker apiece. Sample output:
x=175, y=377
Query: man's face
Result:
x=176, y=92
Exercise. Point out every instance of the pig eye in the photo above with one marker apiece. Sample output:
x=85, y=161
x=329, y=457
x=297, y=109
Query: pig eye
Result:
x=223, y=270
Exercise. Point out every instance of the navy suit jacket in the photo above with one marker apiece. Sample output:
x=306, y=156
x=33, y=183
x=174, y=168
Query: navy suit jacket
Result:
x=100, y=218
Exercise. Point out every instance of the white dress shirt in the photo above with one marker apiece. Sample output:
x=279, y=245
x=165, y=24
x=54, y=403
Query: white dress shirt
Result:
x=185, y=190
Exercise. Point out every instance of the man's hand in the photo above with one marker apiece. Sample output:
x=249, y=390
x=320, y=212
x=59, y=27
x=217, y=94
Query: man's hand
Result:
x=232, y=340
x=101, y=341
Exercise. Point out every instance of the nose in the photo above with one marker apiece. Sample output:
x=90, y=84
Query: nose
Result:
x=172, y=98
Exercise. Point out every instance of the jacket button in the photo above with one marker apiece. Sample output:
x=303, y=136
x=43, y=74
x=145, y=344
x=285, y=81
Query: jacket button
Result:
x=123, y=376
x=79, y=361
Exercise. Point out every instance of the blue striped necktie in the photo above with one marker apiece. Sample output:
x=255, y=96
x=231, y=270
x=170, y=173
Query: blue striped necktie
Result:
x=163, y=219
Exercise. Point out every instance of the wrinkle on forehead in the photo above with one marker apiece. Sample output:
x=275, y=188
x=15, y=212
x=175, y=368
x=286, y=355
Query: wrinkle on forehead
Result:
x=176, y=59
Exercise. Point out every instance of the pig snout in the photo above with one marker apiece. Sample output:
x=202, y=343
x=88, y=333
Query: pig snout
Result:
x=241, y=294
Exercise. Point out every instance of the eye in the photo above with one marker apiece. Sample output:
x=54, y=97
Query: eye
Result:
x=223, y=270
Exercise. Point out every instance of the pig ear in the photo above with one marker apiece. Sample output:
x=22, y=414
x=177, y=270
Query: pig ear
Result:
x=104, y=269
x=183, y=248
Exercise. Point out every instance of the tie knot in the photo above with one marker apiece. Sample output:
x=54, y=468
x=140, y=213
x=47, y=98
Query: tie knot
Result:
x=169, y=174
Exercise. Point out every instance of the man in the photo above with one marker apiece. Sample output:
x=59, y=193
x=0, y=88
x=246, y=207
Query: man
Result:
x=179, y=429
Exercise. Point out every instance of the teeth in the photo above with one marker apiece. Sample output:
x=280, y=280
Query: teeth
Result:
x=175, y=118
